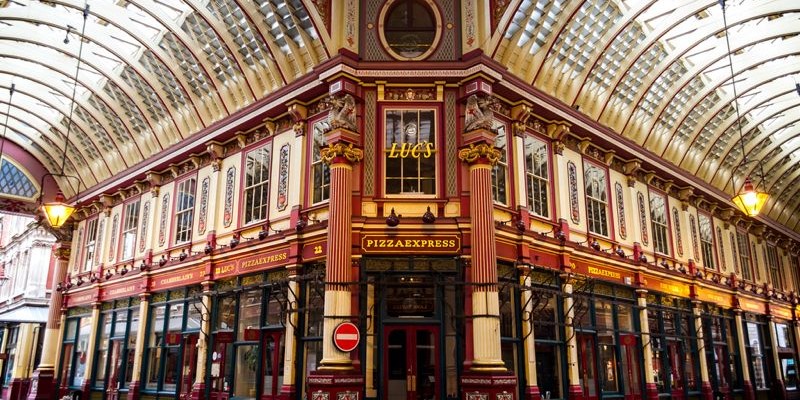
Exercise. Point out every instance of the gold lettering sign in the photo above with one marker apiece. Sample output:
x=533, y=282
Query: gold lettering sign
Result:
x=427, y=244
x=604, y=272
x=405, y=150
x=253, y=263
x=781, y=312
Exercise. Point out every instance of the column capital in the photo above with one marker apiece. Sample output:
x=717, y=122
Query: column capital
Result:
x=481, y=153
x=338, y=152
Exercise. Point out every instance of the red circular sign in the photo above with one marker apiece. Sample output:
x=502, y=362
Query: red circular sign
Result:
x=346, y=337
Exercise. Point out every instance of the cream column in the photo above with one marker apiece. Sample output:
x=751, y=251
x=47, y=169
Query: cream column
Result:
x=25, y=343
x=573, y=374
x=289, y=342
x=651, y=390
x=341, y=157
x=705, y=388
x=44, y=384
x=749, y=392
x=91, y=354
x=529, y=344
x=141, y=341
x=485, y=300
x=202, y=341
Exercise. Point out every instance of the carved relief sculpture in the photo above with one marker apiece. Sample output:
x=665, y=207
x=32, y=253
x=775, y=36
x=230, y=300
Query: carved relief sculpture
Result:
x=113, y=246
x=162, y=221
x=478, y=114
x=693, y=228
x=343, y=113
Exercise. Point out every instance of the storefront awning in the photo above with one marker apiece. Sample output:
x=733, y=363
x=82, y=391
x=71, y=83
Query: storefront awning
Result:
x=25, y=314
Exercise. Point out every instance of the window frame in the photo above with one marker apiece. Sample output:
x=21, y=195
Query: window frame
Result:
x=316, y=162
x=531, y=176
x=502, y=165
x=745, y=259
x=243, y=188
x=609, y=234
x=88, y=256
x=712, y=248
x=176, y=212
x=773, y=261
x=666, y=225
x=436, y=150
x=133, y=230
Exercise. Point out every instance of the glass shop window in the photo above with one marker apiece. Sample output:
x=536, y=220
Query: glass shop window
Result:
x=11, y=354
x=549, y=344
x=509, y=315
x=314, y=293
x=167, y=339
x=410, y=152
x=757, y=354
x=786, y=347
x=500, y=169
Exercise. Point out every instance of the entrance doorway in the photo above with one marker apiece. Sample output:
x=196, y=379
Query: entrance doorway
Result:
x=411, y=363
x=587, y=366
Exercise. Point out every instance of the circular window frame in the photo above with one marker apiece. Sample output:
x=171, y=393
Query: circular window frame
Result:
x=436, y=38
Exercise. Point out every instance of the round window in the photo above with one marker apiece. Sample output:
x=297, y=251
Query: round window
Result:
x=410, y=29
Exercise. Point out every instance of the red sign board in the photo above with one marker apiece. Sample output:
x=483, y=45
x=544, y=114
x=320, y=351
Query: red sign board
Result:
x=417, y=244
x=346, y=337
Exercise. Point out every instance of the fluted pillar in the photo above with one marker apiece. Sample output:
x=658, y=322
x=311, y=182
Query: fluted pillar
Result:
x=529, y=344
x=487, y=373
x=134, y=390
x=289, y=340
x=335, y=375
x=575, y=391
x=44, y=385
x=651, y=390
x=199, y=384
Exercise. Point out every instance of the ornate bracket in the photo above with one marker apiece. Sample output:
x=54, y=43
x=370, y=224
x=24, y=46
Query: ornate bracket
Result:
x=352, y=154
x=481, y=150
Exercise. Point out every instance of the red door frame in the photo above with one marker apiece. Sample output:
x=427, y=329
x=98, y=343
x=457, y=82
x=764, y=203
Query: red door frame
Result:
x=677, y=378
x=277, y=337
x=411, y=355
x=222, y=340
x=588, y=340
x=630, y=341
x=188, y=372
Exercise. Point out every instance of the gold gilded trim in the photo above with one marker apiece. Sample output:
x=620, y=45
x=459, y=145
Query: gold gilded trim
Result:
x=482, y=150
x=347, y=151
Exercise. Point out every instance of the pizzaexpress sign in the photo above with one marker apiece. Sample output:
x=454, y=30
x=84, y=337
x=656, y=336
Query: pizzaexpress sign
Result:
x=417, y=244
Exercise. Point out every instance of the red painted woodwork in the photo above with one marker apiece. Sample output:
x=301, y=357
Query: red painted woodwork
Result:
x=411, y=364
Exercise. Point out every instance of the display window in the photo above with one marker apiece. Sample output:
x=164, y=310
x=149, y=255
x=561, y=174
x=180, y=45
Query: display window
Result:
x=173, y=327
x=548, y=327
x=674, y=342
x=75, y=348
x=11, y=354
x=119, y=324
x=786, y=354
x=248, y=337
x=609, y=347
x=721, y=359
x=757, y=350
x=313, y=298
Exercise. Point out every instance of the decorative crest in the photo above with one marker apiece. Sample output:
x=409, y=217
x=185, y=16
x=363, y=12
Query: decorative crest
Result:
x=482, y=150
x=352, y=154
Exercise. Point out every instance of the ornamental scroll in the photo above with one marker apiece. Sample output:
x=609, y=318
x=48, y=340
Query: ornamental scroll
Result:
x=143, y=228
x=678, y=236
x=203, y=218
x=227, y=214
x=572, y=175
x=623, y=229
x=283, y=177
x=643, y=219
x=474, y=152
x=352, y=154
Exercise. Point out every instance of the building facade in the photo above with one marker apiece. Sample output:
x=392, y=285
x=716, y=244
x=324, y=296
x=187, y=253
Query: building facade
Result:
x=412, y=221
x=25, y=273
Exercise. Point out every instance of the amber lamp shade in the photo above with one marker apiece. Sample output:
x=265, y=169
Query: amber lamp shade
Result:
x=749, y=200
x=57, y=212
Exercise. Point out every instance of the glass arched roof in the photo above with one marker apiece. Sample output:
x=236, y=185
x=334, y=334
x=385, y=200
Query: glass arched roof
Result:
x=155, y=72
x=657, y=72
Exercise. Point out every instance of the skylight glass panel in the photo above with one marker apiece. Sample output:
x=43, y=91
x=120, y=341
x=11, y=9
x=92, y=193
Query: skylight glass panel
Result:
x=629, y=87
x=115, y=123
x=196, y=78
x=132, y=113
x=146, y=93
x=102, y=140
x=239, y=26
x=169, y=83
x=217, y=54
x=575, y=45
x=621, y=47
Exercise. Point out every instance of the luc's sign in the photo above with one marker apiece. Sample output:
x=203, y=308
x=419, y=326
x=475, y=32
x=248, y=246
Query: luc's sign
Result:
x=412, y=150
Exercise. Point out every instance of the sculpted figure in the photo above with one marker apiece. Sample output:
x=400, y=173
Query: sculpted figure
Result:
x=343, y=113
x=478, y=113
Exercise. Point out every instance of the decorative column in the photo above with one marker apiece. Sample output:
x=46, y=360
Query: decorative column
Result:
x=574, y=392
x=134, y=389
x=91, y=354
x=44, y=385
x=487, y=375
x=288, y=389
x=336, y=377
x=529, y=344
x=651, y=390
x=199, y=385
x=749, y=392
x=20, y=375
x=706, y=393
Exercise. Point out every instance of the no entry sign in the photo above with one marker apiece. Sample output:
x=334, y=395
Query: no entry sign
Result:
x=346, y=337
